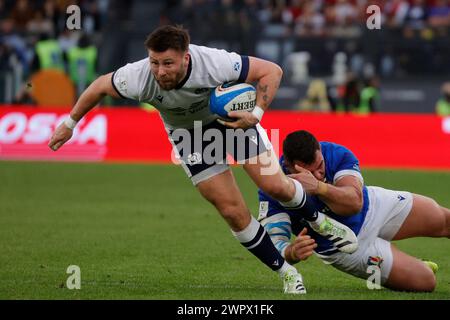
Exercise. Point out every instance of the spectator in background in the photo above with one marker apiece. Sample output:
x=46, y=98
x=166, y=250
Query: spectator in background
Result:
x=416, y=15
x=273, y=11
x=349, y=94
x=17, y=44
x=396, y=11
x=369, y=96
x=312, y=22
x=40, y=25
x=48, y=55
x=316, y=97
x=249, y=23
x=91, y=15
x=293, y=12
x=443, y=104
x=227, y=19
x=4, y=12
x=439, y=14
x=345, y=13
x=51, y=13
x=82, y=60
x=68, y=39
x=21, y=14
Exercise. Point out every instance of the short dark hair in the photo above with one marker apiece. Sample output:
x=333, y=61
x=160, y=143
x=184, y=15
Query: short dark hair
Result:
x=168, y=37
x=300, y=146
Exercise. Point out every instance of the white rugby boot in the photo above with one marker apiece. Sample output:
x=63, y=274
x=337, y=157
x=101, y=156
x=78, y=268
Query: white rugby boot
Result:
x=293, y=282
x=343, y=238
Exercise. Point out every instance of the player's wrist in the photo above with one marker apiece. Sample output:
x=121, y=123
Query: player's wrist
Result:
x=289, y=255
x=258, y=112
x=70, y=123
x=322, y=188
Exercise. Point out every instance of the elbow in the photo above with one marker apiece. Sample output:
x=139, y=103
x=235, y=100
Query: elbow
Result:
x=278, y=71
x=356, y=209
x=352, y=207
x=357, y=204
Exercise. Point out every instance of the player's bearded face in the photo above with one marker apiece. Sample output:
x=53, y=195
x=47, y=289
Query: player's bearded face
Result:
x=169, y=67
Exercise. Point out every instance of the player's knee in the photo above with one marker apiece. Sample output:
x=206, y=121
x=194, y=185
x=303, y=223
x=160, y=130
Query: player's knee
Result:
x=440, y=218
x=428, y=283
x=425, y=281
x=446, y=213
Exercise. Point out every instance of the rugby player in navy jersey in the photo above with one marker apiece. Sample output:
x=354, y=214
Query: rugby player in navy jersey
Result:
x=176, y=78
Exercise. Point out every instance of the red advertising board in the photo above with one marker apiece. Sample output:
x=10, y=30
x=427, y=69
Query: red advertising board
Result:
x=132, y=134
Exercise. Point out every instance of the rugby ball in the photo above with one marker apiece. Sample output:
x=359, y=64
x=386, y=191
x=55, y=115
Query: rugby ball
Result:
x=232, y=97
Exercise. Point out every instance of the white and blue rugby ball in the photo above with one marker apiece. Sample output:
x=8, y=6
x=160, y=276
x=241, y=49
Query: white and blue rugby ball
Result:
x=232, y=97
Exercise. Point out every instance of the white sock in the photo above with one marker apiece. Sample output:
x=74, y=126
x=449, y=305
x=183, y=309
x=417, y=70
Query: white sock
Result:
x=299, y=197
x=249, y=232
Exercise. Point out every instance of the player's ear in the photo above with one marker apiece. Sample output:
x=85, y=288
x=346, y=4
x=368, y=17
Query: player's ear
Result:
x=186, y=58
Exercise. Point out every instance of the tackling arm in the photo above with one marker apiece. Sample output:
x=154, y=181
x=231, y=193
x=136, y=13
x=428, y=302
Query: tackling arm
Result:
x=345, y=197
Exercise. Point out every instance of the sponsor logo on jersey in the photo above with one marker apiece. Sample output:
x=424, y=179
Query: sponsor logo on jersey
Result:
x=400, y=197
x=194, y=158
x=201, y=90
x=263, y=209
x=374, y=261
x=197, y=106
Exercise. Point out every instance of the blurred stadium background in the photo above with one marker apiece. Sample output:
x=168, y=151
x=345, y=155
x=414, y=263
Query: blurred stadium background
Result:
x=323, y=40
x=384, y=93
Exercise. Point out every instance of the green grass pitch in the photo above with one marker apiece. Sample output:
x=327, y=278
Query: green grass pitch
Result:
x=143, y=232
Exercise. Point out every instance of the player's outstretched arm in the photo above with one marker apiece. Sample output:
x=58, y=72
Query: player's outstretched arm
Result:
x=101, y=87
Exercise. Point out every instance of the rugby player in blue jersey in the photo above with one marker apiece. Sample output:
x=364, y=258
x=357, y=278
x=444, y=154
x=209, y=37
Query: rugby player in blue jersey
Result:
x=332, y=179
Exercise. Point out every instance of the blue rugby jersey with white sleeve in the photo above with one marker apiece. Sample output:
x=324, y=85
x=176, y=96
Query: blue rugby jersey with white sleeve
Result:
x=339, y=162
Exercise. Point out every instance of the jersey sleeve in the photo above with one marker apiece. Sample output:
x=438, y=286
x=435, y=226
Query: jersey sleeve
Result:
x=348, y=165
x=130, y=79
x=224, y=66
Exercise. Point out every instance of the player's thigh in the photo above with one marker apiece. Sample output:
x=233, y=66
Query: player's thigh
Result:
x=372, y=261
x=388, y=210
x=426, y=219
x=409, y=273
x=222, y=191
